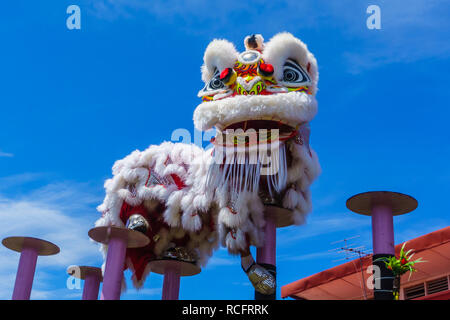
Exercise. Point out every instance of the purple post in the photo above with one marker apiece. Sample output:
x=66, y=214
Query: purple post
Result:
x=30, y=249
x=266, y=256
x=115, y=261
x=91, y=286
x=382, y=206
x=25, y=274
x=92, y=277
x=117, y=240
x=172, y=271
x=267, y=253
x=171, y=285
x=383, y=230
x=383, y=247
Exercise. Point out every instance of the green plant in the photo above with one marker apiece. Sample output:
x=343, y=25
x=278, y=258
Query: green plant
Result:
x=400, y=266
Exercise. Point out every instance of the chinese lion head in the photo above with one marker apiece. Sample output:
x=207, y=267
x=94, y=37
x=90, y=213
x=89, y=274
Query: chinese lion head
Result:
x=260, y=99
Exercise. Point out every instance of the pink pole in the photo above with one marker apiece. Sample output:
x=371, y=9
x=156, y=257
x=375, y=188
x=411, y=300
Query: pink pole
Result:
x=25, y=274
x=266, y=256
x=383, y=230
x=383, y=246
x=171, y=285
x=91, y=286
x=115, y=261
x=267, y=253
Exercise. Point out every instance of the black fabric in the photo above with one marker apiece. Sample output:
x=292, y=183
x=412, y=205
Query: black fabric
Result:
x=386, y=279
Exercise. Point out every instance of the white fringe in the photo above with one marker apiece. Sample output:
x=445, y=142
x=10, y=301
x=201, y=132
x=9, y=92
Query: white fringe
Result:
x=240, y=170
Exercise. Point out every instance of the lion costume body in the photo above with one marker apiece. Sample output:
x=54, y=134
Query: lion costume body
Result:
x=261, y=102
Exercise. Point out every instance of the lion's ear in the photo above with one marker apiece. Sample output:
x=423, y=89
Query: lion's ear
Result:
x=219, y=55
x=284, y=49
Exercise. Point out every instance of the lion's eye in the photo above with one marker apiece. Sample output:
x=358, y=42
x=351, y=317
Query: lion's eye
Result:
x=294, y=75
x=215, y=83
x=291, y=75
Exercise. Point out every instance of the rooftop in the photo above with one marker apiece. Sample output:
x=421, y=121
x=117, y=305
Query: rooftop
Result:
x=345, y=281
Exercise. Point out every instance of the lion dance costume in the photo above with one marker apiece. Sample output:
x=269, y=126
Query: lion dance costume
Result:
x=188, y=200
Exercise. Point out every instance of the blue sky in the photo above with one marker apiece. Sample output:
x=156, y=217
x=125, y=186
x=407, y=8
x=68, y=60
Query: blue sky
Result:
x=74, y=101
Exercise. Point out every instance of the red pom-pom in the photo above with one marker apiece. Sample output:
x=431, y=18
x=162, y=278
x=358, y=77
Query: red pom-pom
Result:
x=225, y=73
x=266, y=68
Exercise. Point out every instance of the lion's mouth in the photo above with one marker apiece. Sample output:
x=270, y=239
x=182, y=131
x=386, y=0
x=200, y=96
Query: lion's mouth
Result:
x=258, y=125
x=251, y=156
x=254, y=132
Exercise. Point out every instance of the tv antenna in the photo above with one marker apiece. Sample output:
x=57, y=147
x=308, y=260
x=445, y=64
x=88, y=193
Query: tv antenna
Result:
x=352, y=252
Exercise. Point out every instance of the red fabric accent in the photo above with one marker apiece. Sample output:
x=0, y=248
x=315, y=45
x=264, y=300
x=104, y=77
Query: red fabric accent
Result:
x=140, y=257
x=224, y=73
x=148, y=177
x=265, y=93
x=180, y=184
x=127, y=211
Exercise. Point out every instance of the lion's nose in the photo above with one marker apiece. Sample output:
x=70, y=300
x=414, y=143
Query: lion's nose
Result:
x=249, y=85
x=248, y=79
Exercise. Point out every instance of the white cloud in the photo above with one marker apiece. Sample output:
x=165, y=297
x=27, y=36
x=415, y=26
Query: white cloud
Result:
x=317, y=226
x=221, y=258
x=18, y=179
x=6, y=155
x=411, y=229
x=307, y=256
x=411, y=31
x=61, y=213
x=220, y=262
